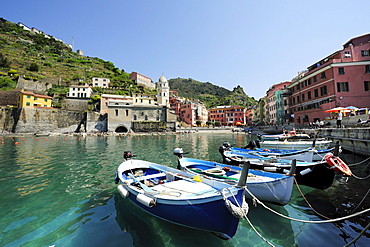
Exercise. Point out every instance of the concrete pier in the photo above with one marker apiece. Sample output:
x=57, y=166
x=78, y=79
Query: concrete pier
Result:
x=356, y=140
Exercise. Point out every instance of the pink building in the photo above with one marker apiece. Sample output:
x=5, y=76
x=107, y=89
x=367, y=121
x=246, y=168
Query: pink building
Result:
x=340, y=79
x=228, y=115
x=276, y=103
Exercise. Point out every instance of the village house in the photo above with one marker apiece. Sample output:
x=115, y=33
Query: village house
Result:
x=340, y=79
x=32, y=100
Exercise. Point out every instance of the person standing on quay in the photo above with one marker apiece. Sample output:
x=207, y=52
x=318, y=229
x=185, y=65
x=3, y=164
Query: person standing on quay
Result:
x=339, y=119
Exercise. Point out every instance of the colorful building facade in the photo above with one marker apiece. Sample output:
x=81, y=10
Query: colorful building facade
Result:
x=32, y=100
x=340, y=79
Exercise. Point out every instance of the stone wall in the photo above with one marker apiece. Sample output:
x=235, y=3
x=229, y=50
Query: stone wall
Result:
x=37, y=87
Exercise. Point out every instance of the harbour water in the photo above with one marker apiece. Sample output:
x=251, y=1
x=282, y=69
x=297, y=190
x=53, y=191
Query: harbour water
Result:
x=59, y=191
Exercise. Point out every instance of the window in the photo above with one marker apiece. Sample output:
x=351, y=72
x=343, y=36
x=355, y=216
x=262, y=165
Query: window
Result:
x=28, y=96
x=367, y=69
x=46, y=100
x=126, y=113
x=116, y=112
x=365, y=53
x=135, y=117
x=342, y=87
x=35, y=98
x=298, y=99
x=303, y=97
x=314, y=79
x=28, y=103
x=298, y=86
x=323, y=75
x=146, y=117
x=341, y=71
x=323, y=90
x=367, y=85
x=347, y=54
x=308, y=95
x=316, y=92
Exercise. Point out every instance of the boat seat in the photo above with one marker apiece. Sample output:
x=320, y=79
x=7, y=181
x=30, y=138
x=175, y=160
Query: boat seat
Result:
x=186, y=188
x=147, y=177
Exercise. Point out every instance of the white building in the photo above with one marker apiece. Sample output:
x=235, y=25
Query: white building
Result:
x=77, y=91
x=100, y=82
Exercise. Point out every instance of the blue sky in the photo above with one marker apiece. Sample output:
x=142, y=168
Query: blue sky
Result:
x=254, y=44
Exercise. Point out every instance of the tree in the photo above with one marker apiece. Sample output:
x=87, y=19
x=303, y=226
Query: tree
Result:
x=34, y=67
x=4, y=62
x=198, y=123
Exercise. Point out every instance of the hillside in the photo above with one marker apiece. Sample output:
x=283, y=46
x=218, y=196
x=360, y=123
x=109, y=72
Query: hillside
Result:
x=210, y=94
x=36, y=57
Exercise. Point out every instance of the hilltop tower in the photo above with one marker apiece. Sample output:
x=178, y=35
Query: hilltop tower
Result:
x=163, y=97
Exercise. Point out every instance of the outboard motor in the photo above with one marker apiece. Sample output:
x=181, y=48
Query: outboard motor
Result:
x=178, y=152
x=251, y=145
x=258, y=143
x=127, y=155
x=259, y=137
x=225, y=146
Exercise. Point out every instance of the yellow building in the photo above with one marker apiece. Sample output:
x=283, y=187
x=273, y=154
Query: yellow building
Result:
x=31, y=100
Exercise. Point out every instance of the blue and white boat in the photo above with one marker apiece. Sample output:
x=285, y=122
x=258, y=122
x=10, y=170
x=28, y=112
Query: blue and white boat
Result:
x=316, y=174
x=308, y=154
x=266, y=186
x=180, y=197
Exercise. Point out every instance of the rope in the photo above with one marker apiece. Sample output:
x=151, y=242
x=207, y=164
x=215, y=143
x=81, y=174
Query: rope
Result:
x=358, y=163
x=300, y=191
x=359, y=235
x=244, y=214
x=239, y=211
x=308, y=221
x=361, y=201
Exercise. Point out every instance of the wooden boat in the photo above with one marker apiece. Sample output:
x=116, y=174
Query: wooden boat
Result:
x=295, y=144
x=308, y=154
x=286, y=135
x=317, y=174
x=266, y=186
x=181, y=198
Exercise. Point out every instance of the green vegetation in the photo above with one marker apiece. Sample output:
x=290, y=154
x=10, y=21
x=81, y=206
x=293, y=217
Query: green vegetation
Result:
x=210, y=94
x=35, y=56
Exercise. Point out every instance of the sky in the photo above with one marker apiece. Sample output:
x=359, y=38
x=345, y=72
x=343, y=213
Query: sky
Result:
x=254, y=44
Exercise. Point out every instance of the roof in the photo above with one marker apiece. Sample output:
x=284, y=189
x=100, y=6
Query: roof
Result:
x=35, y=95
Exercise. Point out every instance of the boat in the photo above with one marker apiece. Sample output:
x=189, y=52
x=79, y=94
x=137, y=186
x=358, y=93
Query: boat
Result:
x=290, y=144
x=180, y=197
x=308, y=154
x=285, y=135
x=266, y=186
x=316, y=174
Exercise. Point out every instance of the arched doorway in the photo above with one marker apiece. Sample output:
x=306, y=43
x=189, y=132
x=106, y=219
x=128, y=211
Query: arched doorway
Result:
x=121, y=129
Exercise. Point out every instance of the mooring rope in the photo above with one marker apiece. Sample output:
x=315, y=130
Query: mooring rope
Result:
x=300, y=191
x=244, y=212
x=358, y=236
x=307, y=221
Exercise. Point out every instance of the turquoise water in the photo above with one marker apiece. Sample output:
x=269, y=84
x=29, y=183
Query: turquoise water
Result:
x=60, y=191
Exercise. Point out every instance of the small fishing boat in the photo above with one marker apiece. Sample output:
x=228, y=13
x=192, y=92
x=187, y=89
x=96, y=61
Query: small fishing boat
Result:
x=287, y=144
x=308, y=154
x=285, y=135
x=181, y=198
x=319, y=174
x=266, y=186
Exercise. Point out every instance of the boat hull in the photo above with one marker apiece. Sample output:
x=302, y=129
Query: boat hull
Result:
x=208, y=215
x=296, y=145
x=178, y=198
x=313, y=174
x=277, y=190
